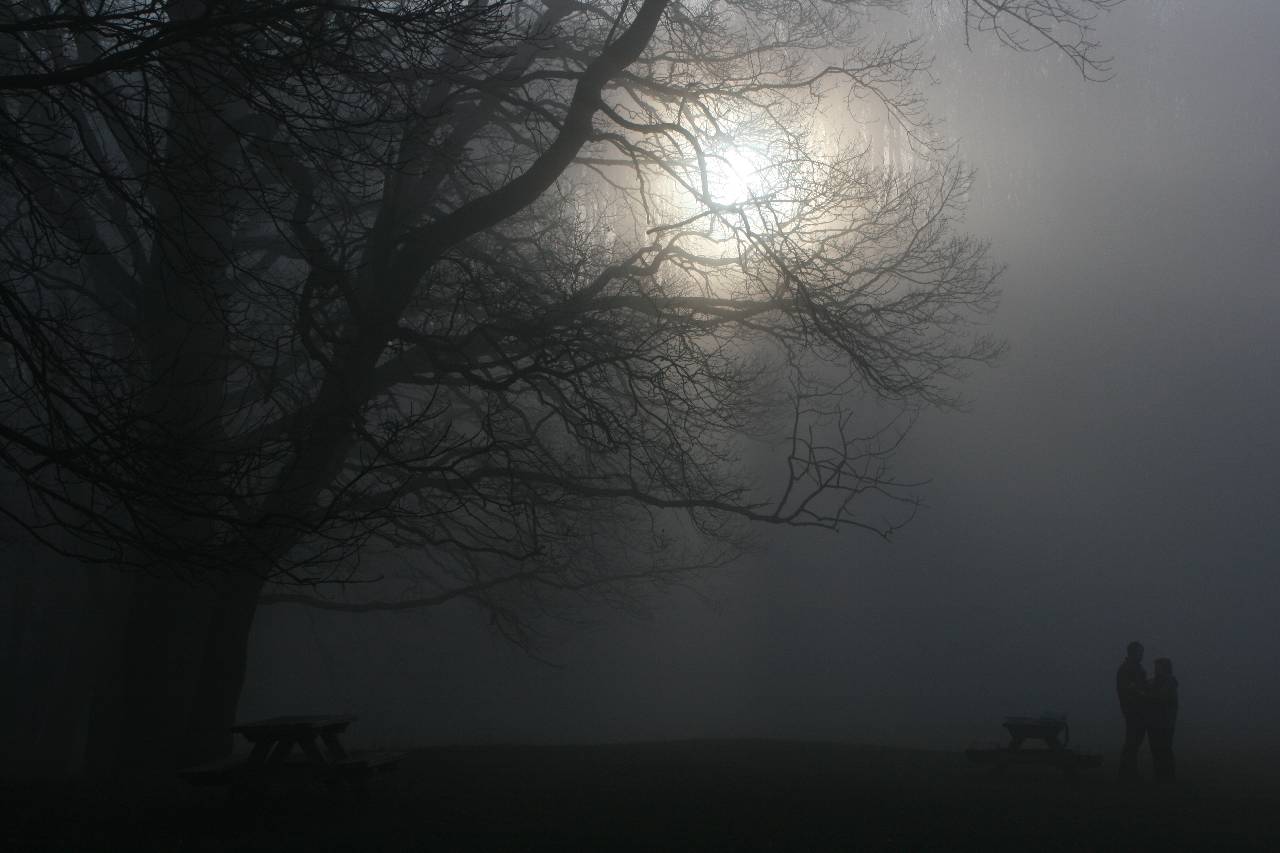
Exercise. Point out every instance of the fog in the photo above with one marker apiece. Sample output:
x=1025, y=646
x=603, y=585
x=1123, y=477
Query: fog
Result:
x=1113, y=478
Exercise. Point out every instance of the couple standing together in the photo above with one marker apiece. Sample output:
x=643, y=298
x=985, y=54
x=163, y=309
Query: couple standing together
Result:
x=1150, y=708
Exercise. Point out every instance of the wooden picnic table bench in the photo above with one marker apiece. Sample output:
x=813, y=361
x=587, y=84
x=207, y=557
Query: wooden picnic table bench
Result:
x=1052, y=731
x=317, y=738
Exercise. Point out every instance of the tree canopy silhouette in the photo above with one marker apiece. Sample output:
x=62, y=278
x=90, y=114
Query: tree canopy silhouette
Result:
x=549, y=298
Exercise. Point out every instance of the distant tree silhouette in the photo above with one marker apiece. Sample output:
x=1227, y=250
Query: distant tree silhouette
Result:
x=502, y=287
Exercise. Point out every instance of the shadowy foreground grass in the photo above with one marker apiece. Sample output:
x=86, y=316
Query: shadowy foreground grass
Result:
x=696, y=795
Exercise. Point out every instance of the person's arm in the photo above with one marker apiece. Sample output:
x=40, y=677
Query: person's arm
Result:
x=1134, y=684
x=1161, y=691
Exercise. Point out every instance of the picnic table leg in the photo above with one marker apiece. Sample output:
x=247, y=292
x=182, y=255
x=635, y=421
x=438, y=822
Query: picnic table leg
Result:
x=280, y=751
x=260, y=751
x=309, y=749
x=334, y=745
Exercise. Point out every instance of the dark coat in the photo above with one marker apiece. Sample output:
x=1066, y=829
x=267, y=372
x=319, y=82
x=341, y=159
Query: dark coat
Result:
x=1131, y=680
x=1161, y=702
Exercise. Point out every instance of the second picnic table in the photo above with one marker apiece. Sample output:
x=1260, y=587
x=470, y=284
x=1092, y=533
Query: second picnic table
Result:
x=1049, y=730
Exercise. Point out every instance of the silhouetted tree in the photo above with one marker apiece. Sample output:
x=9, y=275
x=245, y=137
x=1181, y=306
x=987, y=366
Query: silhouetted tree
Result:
x=522, y=291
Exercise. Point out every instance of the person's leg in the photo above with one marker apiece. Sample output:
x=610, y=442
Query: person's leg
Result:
x=1135, y=729
x=1162, y=752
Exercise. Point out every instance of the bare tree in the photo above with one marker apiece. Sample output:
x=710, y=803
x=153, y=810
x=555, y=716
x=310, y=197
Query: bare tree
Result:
x=519, y=291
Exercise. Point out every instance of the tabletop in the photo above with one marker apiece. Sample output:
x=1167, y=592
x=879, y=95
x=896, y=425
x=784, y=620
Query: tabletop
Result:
x=277, y=727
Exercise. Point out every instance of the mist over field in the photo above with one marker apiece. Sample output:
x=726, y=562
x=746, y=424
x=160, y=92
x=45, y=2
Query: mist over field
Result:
x=658, y=425
x=1112, y=478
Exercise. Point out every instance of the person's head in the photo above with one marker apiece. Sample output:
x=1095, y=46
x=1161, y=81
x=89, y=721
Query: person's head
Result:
x=1135, y=650
x=1164, y=666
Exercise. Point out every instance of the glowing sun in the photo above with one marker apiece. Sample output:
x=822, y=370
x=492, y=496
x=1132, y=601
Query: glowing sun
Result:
x=737, y=173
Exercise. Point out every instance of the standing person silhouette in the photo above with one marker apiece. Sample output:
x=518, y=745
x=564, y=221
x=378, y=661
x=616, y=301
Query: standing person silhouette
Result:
x=1131, y=683
x=1162, y=714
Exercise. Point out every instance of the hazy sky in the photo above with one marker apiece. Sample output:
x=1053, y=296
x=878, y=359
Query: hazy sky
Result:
x=1116, y=477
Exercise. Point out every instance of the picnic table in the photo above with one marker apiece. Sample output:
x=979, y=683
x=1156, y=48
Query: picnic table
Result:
x=317, y=739
x=274, y=739
x=1053, y=732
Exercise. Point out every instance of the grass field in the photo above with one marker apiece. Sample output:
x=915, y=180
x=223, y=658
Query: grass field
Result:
x=692, y=795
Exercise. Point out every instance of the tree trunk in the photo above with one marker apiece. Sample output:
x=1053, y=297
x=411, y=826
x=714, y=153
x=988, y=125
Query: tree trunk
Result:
x=222, y=669
x=110, y=596
x=182, y=657
x=182, y=647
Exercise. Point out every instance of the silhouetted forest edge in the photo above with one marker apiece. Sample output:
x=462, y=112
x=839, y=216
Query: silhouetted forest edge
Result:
x=694, y=795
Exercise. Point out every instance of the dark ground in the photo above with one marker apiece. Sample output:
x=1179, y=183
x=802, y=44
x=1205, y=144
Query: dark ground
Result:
x=698, y=795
